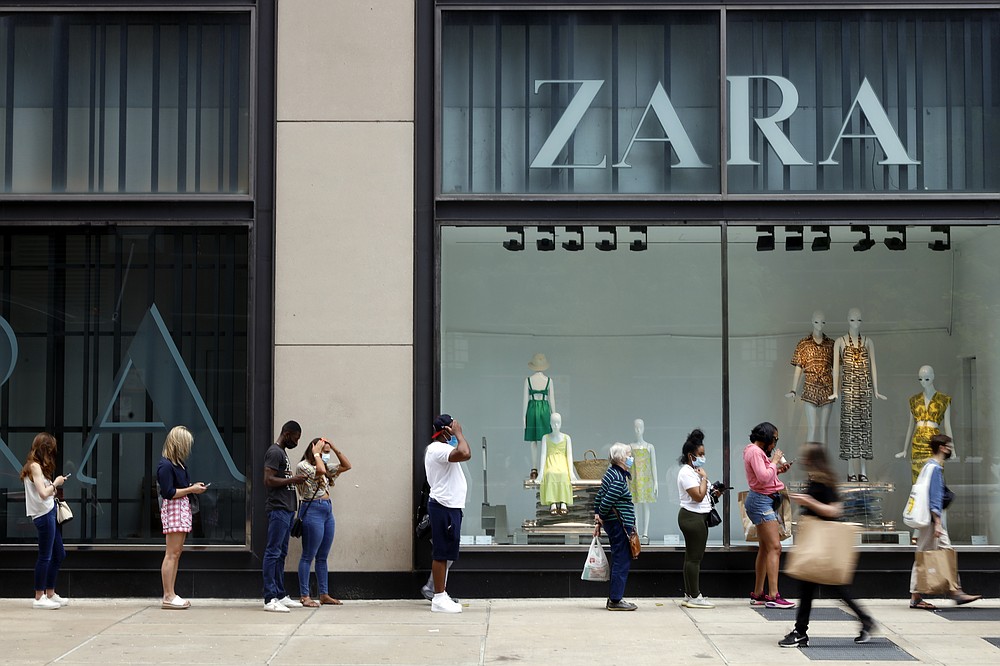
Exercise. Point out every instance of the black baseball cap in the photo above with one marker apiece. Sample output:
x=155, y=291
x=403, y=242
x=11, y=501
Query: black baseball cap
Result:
x=440, y=423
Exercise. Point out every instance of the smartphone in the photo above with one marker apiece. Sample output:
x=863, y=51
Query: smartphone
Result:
x=66, y=476
x=208, y=484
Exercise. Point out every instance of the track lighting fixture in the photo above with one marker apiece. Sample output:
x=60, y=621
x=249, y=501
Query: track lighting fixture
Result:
x=897, y=243
x=865, y=243
x=821, y=243
x=608, y=245
x=574, y=245
x=765, y=243
x=515, y=245
x=941, y=245
x=546, y=244
x=793, y=243
x=639, y=245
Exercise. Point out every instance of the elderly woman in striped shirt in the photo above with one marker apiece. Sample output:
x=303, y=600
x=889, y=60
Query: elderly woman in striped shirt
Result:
x=613, y=510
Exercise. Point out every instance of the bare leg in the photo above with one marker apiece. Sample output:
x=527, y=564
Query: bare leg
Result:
x=768, y=556
x=534, y=455
x=439, y=570
x=171, y=560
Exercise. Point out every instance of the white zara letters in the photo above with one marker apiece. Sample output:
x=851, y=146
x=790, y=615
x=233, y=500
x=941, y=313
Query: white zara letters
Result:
x=865, y=102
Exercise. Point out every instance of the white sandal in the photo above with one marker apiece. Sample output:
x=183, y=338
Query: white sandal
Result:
x=177, y=603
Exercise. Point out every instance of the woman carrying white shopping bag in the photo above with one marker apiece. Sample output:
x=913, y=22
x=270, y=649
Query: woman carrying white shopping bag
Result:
x=934, y=536
x=822, y=502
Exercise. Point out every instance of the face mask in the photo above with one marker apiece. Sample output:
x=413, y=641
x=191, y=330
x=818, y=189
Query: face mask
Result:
x=948, y=454
x=453, y=441
x=629, y=461
x=325, y=458
x=698, y=462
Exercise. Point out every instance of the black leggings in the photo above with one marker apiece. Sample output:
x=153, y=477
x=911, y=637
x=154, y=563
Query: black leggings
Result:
x=807, y=591
x=695, y=532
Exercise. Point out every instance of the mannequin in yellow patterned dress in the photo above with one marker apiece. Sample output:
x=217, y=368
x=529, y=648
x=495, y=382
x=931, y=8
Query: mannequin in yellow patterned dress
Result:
x=644, y=485
x=929, y=415
x=555, y=470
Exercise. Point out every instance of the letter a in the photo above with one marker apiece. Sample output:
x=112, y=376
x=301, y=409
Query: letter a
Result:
x=675, y=135
x=882, y=129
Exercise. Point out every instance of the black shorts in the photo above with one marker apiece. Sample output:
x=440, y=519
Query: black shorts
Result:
x=446, y=531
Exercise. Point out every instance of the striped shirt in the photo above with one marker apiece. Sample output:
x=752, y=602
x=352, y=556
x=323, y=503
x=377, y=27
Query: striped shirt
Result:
x=615, y=494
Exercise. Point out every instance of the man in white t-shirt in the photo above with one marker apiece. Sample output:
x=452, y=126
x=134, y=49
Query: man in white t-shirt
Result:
x=442, y=459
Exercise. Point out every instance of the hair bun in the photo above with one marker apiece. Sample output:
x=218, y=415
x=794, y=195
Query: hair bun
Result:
x=696, y=436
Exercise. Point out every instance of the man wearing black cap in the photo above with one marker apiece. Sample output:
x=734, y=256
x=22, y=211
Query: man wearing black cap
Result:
x=447, y=449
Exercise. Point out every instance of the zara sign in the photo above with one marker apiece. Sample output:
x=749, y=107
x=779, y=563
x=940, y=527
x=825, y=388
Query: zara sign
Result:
x=866, y=103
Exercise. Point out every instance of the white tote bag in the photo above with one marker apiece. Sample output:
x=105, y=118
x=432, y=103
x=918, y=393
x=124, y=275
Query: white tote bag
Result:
x=596, y=567
x=918, y=507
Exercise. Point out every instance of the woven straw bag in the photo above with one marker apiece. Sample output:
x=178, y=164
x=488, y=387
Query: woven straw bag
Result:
x=590, y=468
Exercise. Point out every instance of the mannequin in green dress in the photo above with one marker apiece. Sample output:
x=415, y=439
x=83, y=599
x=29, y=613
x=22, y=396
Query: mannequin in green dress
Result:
x=539, y=404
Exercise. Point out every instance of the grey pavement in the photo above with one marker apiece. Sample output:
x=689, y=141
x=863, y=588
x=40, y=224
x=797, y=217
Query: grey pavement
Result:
x=553, y=632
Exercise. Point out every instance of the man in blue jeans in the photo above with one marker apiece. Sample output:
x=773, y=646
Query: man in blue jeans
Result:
x=279, y=484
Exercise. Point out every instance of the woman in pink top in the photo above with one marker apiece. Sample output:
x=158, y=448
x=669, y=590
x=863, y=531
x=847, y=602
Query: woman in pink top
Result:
x=762, y=504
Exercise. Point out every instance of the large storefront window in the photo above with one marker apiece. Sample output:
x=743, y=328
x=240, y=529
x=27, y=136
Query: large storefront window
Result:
x=582, y=102
x=918, y=307
x=108, y=338
x=144, y=102
x=628, y=321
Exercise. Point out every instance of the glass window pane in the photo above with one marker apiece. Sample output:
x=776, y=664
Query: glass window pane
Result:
x=916, y=307
x=627, y=333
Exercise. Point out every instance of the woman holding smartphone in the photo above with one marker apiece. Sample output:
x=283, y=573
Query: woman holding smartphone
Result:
x=40, y=505
x=175, y=509
x=316, y=512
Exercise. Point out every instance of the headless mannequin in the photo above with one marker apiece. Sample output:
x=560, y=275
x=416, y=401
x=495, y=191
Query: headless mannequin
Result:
x=855, y=466
x=536, y=381
x=643, y=510
x=555, y=437
x=817, y=416
x=926, y=378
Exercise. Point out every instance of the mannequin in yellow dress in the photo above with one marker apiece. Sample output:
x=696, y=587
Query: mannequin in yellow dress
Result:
x=555, y=470
x=929, y=415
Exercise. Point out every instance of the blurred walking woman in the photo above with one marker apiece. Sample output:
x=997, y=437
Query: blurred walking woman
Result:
x=613, y=510
x=40, y=505
x=762, y=505
x=696, y=503
x=175, y=510
x=316, y=512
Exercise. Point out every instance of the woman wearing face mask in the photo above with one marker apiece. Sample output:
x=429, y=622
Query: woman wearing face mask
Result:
x=613, y=509
x=316, y=513
x=695, y=498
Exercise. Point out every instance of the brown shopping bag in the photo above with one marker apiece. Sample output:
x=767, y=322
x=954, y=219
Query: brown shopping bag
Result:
x=824, y=552
x=937, y=571
x=784, y=517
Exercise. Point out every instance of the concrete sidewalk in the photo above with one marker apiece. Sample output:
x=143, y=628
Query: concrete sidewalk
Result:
x=554, y=632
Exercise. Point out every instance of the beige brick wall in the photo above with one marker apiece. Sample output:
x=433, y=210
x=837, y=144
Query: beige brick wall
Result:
x=344, y=260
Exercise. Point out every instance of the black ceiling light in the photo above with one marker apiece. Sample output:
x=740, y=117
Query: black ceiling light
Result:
x=608, y=245
x=515, y=245
x=546, y=244
x=639, y=245
x=765, y=243
x=821, y=243
x=793, y=243
x=574, y=245
x=896, y=243
x=941, y=245
x=865, y=243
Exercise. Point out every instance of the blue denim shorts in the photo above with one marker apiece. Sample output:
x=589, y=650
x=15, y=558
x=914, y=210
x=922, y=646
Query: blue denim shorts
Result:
x=761, y=508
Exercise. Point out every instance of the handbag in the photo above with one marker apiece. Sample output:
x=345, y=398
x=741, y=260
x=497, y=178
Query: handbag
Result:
x=296, y=530
x=712, y=518
x=824, y=552
x=64, y=514
x=596, y=568
x=634, y=545
x=591, y=469
x=937, y=571
x=784, y=517
x=918, y=507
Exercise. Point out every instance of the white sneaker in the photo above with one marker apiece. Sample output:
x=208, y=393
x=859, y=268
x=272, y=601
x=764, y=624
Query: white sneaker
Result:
x=59, y=600
x=288, y=602
x=442, y=603
x=698, y=602
x=275, y=606
x=45, y=603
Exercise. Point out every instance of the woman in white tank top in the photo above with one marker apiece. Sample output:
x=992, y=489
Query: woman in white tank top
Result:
x=40, y=506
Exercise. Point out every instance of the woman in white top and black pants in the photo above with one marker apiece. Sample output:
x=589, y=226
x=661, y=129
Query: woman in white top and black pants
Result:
x=40, y=505
x=693, y=492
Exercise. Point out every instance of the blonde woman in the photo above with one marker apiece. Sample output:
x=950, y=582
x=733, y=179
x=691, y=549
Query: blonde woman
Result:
x=40, y=505
x=175, y=510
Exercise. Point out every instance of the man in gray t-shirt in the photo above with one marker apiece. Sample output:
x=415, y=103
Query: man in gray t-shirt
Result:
x=279, y=483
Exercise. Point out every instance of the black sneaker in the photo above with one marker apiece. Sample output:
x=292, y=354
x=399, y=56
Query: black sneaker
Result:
x=867, y=627
x=794, y=639
x=620, y=605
